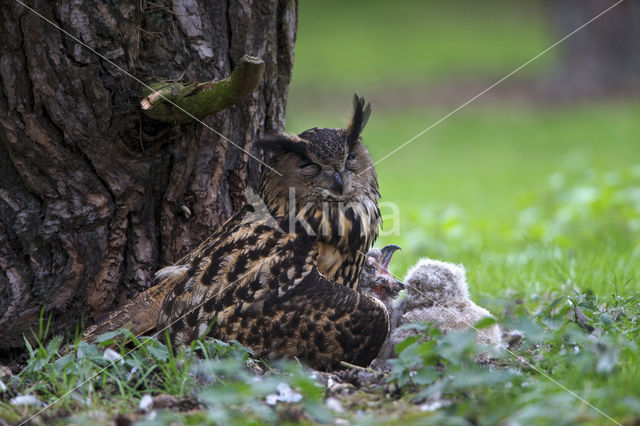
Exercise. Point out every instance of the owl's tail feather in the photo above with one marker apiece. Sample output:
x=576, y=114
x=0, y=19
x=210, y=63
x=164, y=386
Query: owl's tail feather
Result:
x=139, y=314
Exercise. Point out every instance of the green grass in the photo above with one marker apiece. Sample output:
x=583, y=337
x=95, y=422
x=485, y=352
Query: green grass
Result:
x=487, y=160
x=352, y=44
x=466, y=189
x=489, y=185
x=92, y=383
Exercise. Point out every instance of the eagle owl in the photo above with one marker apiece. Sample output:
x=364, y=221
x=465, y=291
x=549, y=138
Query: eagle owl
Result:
x=282, y=277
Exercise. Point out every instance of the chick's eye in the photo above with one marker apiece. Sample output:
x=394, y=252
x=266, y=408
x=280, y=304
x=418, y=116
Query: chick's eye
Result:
x=351, y=157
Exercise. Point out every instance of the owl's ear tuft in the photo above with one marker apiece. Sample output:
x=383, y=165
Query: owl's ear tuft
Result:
x=361, y=113
x=277, y=144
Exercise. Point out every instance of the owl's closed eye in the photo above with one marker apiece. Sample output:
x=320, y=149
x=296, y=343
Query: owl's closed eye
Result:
x=323, y=163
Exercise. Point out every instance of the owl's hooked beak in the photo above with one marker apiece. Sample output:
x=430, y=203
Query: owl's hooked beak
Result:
x=333, y=182
x=338, y=184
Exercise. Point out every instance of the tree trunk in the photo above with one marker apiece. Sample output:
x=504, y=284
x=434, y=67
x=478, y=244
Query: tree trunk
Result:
x=604, y=57
x=94, y=196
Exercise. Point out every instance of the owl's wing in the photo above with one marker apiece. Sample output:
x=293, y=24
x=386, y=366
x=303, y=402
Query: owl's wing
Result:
x=139, y=314
x=318, y=321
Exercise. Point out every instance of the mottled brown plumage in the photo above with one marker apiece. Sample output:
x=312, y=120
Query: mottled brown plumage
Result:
x=282, y=277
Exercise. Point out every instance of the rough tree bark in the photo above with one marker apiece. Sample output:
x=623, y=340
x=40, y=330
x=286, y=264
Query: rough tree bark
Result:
x=94, y=196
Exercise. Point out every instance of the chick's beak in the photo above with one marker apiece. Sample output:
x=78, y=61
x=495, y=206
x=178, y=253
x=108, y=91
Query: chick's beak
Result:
x=398, y=283
x=387, y=254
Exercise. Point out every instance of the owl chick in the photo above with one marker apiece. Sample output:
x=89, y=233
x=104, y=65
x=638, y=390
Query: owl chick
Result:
x=378, y=282
x=375, y=278
x=437, y=292
x=282, y=280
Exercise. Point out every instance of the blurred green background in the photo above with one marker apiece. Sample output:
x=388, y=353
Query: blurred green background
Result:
x=534, y=187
